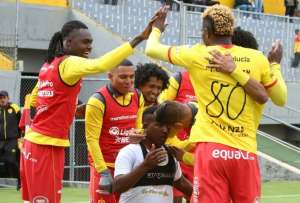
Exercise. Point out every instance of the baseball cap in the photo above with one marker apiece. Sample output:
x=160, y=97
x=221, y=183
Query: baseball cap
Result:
x=3, y=93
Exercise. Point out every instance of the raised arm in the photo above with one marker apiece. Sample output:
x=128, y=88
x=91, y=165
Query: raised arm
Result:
x=277, y=89
x=73, y=68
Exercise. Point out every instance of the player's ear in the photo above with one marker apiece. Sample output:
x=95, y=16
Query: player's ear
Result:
x=178, y=125
x=109, y=75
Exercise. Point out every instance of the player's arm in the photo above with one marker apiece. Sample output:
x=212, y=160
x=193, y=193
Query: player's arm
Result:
x=181, y=183
x=225, y=64
x=154, y=49
x=277, y=90
x=33, y=96
x=93, y=125
x=272, y=78
x=171, y=92
x=73, y=68
x=184, y=185
x=139, y=124
x=126, y=177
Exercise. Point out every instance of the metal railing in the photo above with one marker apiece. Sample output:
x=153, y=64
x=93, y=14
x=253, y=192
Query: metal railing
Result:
x=129, y=17
x=282, y=122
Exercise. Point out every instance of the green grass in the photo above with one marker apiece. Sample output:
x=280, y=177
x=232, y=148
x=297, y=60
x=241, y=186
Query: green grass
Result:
x=273, y=192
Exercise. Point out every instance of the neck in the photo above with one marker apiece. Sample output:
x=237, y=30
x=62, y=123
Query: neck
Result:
x=149, y=103
x=221, y=40
x=114, y=91
x=147, y=143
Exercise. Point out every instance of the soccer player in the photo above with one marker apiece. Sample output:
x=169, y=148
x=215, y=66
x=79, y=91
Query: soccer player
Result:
x=111, y=114
x=58, y=88
x=231, y=88
x=296, y=60
x=244, y=38
x=180, y=117
x=151, y=80
x=146, y=172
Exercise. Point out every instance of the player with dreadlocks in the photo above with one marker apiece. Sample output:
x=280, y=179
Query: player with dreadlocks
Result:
x=59, y=83
x=231, y=84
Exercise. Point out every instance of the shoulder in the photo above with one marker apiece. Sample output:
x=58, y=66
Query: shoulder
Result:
x=97, y=100
x=131, y=150
x=15, y=107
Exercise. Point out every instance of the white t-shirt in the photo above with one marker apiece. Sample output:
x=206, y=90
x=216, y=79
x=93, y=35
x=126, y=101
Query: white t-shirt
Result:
x=129, y=158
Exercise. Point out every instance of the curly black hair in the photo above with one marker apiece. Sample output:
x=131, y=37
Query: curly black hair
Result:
x=244, y=38
x=144, y=72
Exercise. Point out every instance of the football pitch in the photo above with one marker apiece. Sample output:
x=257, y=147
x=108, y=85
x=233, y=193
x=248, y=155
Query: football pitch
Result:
x=272, y=192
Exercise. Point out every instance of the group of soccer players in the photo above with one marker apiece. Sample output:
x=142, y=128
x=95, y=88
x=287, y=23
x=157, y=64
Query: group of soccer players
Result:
x=210, y=127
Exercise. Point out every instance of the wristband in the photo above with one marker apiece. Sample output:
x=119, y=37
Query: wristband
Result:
x=240, y=76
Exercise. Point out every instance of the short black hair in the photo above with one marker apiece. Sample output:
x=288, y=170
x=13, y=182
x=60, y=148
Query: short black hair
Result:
x=144, y=72
x=126, y=62
x=56, y=43
x=296, y=31
x=244, y=38
x=169, y=112
x=150, y=111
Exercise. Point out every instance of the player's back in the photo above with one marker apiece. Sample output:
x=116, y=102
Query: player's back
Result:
x=226, y=113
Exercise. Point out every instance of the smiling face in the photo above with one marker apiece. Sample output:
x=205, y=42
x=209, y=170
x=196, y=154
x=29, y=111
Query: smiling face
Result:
x=78, y=43
x=151, y=90
x=122, y=79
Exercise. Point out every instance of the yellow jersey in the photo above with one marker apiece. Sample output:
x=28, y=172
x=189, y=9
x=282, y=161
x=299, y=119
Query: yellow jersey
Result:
x=226, y=115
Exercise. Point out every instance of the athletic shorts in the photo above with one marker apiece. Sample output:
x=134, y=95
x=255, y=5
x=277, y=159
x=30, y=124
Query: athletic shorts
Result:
x=188, y=172
x=225, y=175
x=95, y=196
x=42, y=172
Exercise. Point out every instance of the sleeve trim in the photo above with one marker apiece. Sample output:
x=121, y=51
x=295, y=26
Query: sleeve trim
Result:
x=271, y=85
x=169, y=55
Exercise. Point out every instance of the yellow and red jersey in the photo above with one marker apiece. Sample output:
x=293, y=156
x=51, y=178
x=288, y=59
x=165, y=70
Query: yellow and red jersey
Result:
x=70, y=70
x=297, y=44
x=226, y=115
x=96, y=122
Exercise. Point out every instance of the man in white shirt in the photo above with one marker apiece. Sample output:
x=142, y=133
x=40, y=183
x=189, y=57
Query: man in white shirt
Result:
x=146, y=172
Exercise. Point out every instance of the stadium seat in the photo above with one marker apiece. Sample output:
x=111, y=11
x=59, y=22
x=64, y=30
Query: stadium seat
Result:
x=6, y=63
x=275, y=7
x=58, y=3
x=229, y=3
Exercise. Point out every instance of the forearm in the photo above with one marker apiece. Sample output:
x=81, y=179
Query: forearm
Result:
x=253, y=88
x=93, y=125
x=184, y=185
x=277, y=90
x=154, y=48
x=94, y=148
x=188, y=158
x=139, y=124
x=74, y=68
x=122, y=183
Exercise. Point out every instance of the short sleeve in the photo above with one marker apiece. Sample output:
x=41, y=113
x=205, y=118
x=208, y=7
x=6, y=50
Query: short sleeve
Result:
x=178, y=172
x=124, y=161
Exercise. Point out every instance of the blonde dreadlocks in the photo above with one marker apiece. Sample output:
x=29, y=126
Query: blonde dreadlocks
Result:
x=222, y=19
